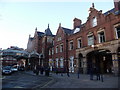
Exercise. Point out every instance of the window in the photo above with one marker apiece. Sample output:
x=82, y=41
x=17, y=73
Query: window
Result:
x=49, y=52
x=56, y=49
x=52, y=51
x=94, y=21
x=61, y=48
x=71, y=45
x=90, y=40
x=76, y=30
x=57, y=62
x=61, y=62
x=59, y=38
x=79, y=43
x=118, y=32
x=101, y=37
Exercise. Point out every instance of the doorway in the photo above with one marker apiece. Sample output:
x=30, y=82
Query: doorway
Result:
x=101, y=59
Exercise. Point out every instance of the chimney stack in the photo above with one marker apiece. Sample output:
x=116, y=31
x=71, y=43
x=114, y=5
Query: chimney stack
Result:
x=77, y=23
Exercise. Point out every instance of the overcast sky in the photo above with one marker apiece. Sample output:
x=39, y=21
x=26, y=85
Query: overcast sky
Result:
x=18, y=18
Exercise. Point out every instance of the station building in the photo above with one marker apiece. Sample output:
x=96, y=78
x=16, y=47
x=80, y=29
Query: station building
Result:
x=93, y=43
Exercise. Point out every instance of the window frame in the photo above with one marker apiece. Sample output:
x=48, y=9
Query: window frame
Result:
x=94, y=21
x=90, y=34
x=71, y=46
x=79, y=45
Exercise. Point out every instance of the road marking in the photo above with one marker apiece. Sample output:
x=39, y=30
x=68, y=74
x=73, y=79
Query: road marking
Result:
x=17, y=87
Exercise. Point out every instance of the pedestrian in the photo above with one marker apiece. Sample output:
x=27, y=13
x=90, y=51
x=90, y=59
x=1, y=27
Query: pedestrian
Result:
x=78, y=72
x=37, y=70
x=62, y=72
x=97, y=70
x=68, y=72
x=101, y=74
x=42, y=70
x=91, y=73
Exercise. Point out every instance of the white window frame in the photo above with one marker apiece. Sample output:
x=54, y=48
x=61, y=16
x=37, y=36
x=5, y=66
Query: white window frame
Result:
x=89, y=40
x=61, y=62
x=56, y=49
x=71, y=45
x=117, y=32
x=78, y=42
x=94, y=21
x=49, y=52
x=99, y=36
x=57, y=62
x=52, y=51
x=61, y=47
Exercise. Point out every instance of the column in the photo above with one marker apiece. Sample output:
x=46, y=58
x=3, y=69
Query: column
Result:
x=84, y=65
x=115, y=64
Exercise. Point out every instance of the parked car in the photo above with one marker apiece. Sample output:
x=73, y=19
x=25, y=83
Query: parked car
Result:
x=6, y=70
x=21, y=68
x=14, y=69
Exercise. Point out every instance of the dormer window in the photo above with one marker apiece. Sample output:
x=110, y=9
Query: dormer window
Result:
x=76, y=30
x=94, y=21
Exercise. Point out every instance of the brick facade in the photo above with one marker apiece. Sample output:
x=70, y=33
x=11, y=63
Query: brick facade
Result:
x=75, y=49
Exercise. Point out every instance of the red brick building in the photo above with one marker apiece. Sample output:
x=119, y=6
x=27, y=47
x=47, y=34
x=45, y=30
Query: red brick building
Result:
x=38, y=47
x=94, y=43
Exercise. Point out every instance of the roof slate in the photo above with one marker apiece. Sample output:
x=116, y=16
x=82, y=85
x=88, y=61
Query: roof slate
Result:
x=68, y=31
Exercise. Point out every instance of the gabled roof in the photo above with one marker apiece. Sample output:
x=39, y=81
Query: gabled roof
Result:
x=40, y=33
x=110, y=11
x=67, y=31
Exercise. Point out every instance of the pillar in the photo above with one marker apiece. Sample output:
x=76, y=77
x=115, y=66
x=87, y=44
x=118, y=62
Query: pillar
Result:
x=84, y=65
x=115, y=64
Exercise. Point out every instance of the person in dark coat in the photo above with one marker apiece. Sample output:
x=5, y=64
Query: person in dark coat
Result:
x=97, y=70
x=91, y=73
x=37, y=70
x=42, y=70
x=68, y=72
x=78, y=72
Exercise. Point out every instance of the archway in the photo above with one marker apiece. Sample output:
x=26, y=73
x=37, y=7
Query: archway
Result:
x=80, y=62
x=102, y=59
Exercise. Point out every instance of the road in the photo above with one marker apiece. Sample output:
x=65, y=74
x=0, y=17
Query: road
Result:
x=24, y=80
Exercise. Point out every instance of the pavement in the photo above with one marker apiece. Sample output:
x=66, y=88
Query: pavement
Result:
x=58, y=81
x=83, y=81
